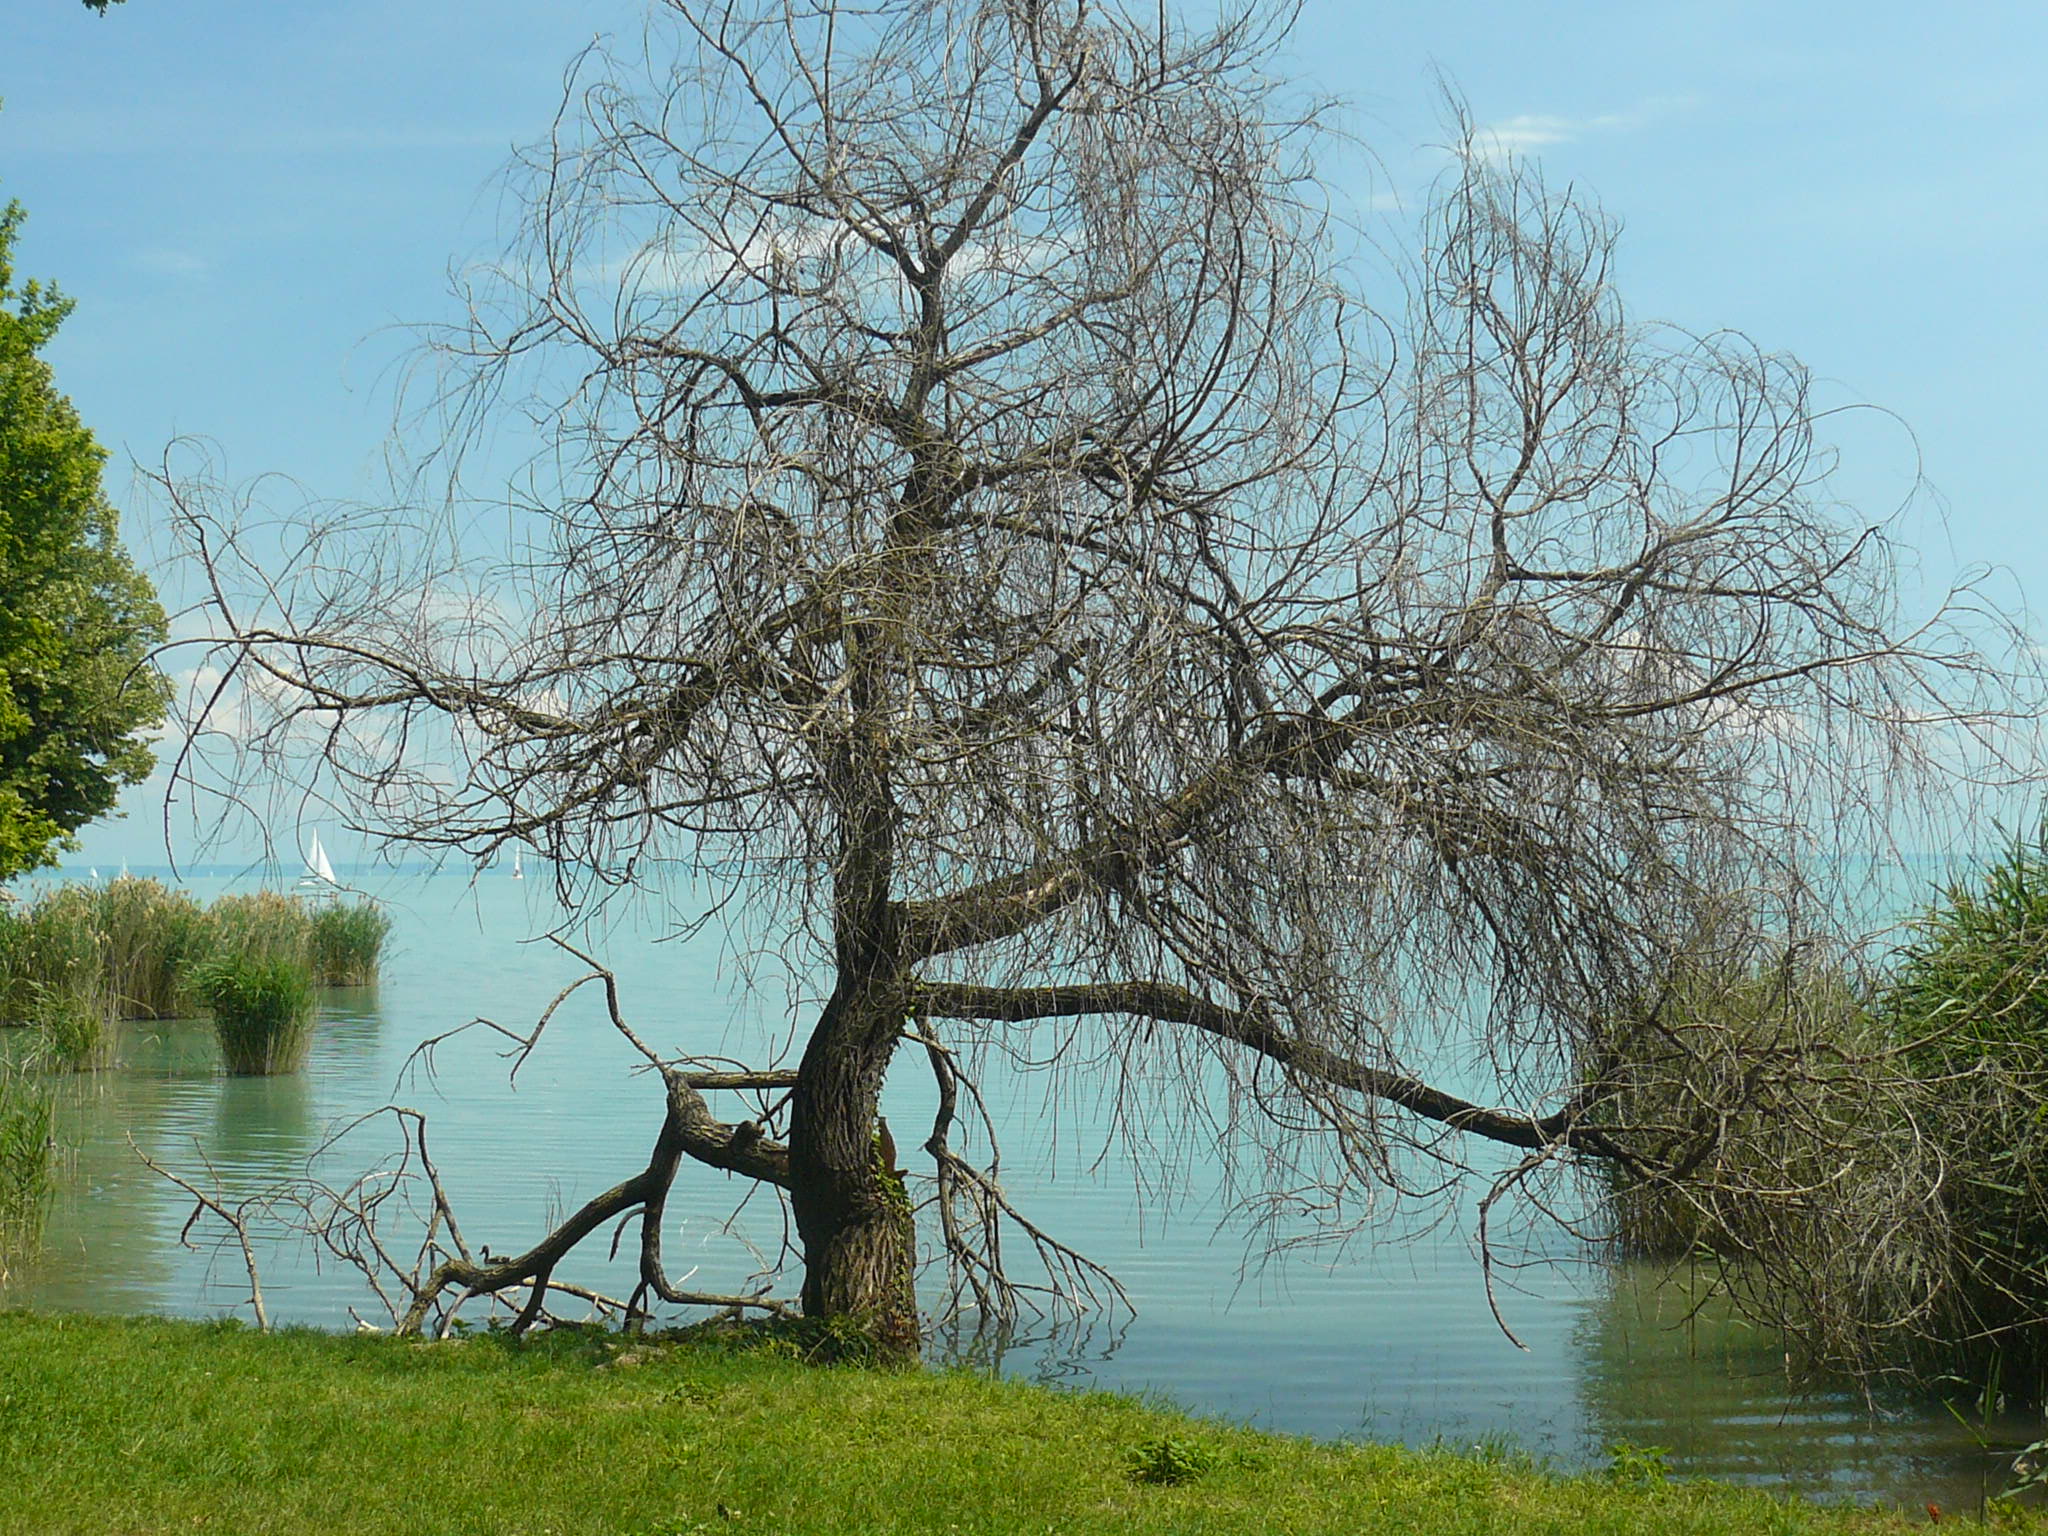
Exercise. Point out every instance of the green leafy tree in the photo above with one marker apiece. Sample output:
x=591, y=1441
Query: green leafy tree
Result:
x=78, y=697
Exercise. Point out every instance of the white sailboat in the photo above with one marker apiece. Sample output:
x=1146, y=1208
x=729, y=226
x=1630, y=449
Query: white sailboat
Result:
x=517, y=872
x=319, y=875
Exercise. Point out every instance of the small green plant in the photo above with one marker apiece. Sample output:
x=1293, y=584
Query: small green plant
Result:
x=2029, y=1470
x=347, y=940
x=1638, y=1466
x=1169, y=1459
x=262, y=1010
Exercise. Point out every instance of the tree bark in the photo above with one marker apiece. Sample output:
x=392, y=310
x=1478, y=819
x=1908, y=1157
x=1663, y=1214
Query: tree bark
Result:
x=852, y=1215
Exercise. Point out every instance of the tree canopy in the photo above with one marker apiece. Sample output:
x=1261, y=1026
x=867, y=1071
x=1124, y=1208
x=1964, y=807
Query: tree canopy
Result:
x=78, y=697
x=987, y=525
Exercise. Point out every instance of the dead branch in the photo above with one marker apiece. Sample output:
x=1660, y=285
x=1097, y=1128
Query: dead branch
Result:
x=234, y=1217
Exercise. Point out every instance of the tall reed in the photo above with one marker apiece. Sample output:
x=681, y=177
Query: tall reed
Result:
x=57, y=981
x=265, y=925
x=348, y=942
x=13, y=941
x=153, y=937
x=262, y=1010
x=27, y=1156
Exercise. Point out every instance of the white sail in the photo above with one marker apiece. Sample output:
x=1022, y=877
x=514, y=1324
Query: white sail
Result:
x=317, y=867
x=517, y=872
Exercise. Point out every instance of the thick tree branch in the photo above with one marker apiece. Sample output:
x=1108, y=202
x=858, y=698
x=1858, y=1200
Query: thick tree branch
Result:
x=1256, y=1031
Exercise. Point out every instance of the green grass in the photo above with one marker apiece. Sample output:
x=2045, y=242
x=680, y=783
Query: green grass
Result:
x=148, y=1426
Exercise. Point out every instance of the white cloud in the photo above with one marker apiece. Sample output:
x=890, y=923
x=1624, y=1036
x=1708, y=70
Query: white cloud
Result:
x=166, y=262
x=1527, y=132
x=1520, y=134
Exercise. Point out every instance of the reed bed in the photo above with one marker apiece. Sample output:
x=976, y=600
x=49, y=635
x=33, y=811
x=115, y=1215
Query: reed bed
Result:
x=56, y=977
x=347, y=942
x=152, y=937
x=79, y=957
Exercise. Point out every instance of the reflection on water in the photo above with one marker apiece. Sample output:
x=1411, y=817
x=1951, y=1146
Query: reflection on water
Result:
x=1393, y=1341
x=1658, y=1371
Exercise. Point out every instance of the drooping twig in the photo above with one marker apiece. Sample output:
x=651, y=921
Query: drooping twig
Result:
x=974, y=1250
x=235, y=1217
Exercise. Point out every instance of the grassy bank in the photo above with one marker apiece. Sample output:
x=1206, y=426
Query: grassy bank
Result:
x=144, y=1426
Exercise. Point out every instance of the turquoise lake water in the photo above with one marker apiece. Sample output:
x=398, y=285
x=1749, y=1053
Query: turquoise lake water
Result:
x=1390, y=1339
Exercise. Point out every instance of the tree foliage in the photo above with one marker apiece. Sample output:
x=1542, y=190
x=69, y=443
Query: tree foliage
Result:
x=987, y=524
x=78, y=698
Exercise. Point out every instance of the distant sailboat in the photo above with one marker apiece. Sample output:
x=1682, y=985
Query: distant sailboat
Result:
x=517, y=872
x=93, y=874
x=319, y=873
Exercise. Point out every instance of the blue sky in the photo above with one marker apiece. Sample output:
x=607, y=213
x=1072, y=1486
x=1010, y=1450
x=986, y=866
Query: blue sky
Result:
x=249, y=199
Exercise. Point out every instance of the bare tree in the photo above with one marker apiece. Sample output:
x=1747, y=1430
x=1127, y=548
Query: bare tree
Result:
x=985, y=523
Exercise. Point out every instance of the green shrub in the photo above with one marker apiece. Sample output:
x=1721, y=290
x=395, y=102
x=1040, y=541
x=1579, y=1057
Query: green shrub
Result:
x=262, y=1010
x=347, y=941
x=1967, y=1007
x=1877, y=1188
x=1785, y=1157
x=1691, y=1072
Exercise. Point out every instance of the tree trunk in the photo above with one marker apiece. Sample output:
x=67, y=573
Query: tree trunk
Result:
x=852, y=1215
